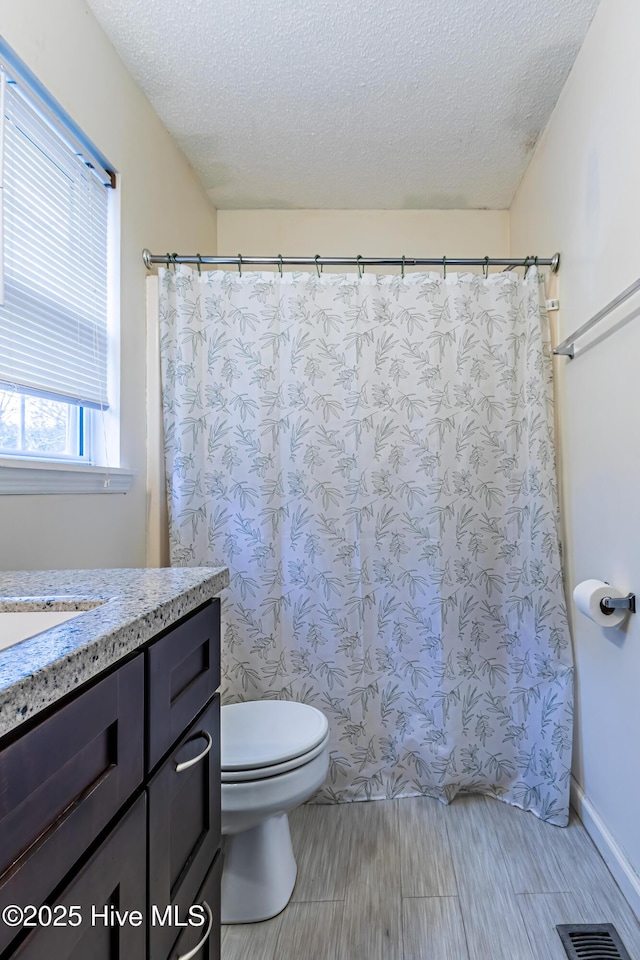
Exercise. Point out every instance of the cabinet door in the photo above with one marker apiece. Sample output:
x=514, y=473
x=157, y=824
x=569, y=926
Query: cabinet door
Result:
x=113, y=879
x=208, y=936
x=184, y=822
x=64, y=780
x=184, y=673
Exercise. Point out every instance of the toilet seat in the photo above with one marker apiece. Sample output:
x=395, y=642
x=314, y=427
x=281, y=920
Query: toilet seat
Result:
x=273, y=769
x=261, y=738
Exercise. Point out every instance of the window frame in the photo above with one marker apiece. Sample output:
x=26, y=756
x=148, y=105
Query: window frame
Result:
x=25, y=471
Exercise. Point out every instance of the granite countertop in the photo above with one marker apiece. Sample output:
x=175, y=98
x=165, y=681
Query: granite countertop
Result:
x=122, y=609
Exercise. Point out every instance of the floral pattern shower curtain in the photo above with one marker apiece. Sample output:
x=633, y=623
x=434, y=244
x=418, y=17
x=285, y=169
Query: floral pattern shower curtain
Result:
x=373, y=459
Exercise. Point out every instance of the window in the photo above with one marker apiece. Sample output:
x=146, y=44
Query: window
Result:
x=34, y=426
x=55, y=218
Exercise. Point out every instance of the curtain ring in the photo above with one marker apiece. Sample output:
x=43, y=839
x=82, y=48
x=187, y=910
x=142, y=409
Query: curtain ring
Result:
x=318, y=267
x=486, y=268
x=199, y=264
x=360, y=270
x=240, y=264
x=169, y=261
x=444, y=268
x=402, y=268
x=535, y=263
x=280, y=265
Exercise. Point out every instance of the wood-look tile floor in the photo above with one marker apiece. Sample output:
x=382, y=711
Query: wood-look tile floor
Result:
x=415, y=880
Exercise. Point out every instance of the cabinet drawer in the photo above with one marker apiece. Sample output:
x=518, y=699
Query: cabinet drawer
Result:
x=114, y=877
x=208, y=894
x=184, y=672
x=64, y=780
x=184, y=822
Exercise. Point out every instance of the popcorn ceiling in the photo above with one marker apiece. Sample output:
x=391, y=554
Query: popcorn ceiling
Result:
x=372, y=104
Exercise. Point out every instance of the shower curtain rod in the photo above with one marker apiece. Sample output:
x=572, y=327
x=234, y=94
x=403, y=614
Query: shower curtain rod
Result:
x=240, y=261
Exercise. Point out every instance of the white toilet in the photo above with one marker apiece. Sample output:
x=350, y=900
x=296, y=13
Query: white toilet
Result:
x=275, y=755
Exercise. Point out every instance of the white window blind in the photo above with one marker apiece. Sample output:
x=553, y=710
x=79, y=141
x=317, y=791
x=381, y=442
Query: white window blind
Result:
x=53, y=322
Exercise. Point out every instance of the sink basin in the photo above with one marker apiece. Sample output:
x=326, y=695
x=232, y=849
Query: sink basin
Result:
x=20, y=625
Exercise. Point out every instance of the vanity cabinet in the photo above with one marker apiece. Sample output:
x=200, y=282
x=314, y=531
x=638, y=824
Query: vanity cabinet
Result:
x=112, y=798
x=190, y=938
x=184, y=673
x=184, y=807
x=114, y=877
x=63, y=781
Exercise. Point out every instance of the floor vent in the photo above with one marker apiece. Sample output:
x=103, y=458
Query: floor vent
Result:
x=592, y=941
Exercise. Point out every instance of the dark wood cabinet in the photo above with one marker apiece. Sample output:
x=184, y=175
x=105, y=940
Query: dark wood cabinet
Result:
x=184, y=673
x=63, y=781
x=64, y=784
x=208, y=895
x=113, y=879
x=184, y=818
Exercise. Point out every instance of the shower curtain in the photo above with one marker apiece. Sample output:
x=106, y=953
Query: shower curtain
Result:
x=373, y=459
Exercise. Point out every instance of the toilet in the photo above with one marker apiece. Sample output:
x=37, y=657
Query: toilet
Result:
x=274, y=756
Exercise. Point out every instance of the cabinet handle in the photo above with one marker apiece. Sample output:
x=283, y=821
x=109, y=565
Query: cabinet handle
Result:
x=201, y=943
x=189, y=763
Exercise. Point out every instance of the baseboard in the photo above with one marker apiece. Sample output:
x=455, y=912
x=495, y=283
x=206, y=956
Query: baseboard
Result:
x=622, y=871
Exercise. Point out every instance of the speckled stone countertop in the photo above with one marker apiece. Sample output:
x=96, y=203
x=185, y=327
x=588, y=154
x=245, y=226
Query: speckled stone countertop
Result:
x=122, y=609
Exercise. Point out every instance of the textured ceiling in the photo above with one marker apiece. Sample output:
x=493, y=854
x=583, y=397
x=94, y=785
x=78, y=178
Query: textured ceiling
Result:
x=365, y=104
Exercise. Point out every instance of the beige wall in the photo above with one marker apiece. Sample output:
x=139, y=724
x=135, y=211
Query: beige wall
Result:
x=424, y=233
x=163, y=207
x=581, y=195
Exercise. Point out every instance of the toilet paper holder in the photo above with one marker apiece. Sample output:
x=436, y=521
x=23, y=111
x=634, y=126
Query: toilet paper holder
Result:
x=609, y=604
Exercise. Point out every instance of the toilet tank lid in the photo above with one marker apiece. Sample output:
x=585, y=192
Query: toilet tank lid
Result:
x=258, y=733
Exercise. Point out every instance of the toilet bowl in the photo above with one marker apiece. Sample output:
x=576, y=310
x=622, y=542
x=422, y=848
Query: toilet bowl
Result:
x=274, y=756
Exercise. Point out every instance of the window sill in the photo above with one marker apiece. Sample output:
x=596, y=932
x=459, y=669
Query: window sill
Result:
x=23, y=477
